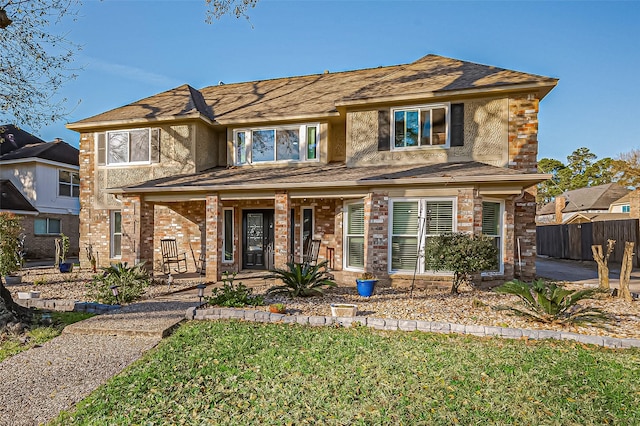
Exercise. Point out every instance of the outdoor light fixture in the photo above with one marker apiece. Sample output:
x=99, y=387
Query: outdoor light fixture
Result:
x=114, y=290
x=201, y=288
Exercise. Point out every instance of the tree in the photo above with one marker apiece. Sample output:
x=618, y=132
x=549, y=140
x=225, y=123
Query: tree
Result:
x=581, y=171
x=463, y=254
x=218, y=8
x=627, y=168
x=10, y=230
x=36, y=61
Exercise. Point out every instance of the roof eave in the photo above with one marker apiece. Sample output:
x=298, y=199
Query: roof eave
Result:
x=526, y=180
x=96, y=125
x=542, y=88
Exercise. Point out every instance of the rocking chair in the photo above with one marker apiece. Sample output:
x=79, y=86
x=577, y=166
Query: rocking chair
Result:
x=170, y=256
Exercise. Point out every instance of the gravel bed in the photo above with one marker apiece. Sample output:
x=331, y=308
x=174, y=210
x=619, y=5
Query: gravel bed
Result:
x=52, y=284
x=39, y=383
x=470, y=307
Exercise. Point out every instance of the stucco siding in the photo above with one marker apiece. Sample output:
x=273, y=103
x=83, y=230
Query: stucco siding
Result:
x=485, y=138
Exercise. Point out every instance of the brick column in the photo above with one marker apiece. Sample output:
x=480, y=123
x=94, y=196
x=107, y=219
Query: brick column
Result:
x=282, y=220
x=634, y=204
x=523, y=133
x=525, y=234
x=467, y=217
x=376, y=217
x=510, y=255
x=87, y=171
x=130, y=245
x=213, y=241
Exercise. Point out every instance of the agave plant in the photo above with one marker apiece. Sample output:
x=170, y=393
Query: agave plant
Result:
x=548, y=302
x=301, y=280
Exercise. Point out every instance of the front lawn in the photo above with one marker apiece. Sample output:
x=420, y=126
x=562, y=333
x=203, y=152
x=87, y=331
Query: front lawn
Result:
x=250, y=373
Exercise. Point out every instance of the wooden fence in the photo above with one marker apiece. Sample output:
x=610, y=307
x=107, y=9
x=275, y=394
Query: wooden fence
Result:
x=574, y=241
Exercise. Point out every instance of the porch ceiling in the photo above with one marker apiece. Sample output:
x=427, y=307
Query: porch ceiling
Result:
x=335, y=177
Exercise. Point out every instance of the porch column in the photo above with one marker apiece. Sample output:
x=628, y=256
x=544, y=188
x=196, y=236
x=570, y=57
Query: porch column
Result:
x=137, y=231
x=376, y=234
x=213, y=240
x=282, y=225
x=525, y=234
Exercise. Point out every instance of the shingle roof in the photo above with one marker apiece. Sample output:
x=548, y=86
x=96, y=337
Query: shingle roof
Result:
x=11, y=198
x=331, y=175
x=15, y=138
x=59, y=151
x=318, y=94
x=593, y=198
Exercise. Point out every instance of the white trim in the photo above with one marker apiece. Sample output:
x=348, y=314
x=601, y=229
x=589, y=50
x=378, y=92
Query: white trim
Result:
x=421, y=244
x=39, y=160
x=420, y=108
x=345, y=243
x=112, y=214
x=125, y=163
x=501, y=235
x=302, y=144
x=224, y=228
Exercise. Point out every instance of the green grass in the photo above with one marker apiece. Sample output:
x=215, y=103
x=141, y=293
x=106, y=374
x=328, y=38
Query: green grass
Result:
x=248, y=373
x=37, y=335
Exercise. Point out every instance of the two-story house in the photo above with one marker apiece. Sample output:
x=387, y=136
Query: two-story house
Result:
x=371, y=162
x=40, y=181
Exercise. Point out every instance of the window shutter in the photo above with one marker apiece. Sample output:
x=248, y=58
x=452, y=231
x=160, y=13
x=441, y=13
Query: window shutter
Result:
x=457, y=124
x=405, y=217
x=384, y=127
x=356, y=219
x=102, y=149
x=490, y=218
x=155, y=145
x=355, y=239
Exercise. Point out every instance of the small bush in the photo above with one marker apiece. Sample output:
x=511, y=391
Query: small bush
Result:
x=233, y=295
x=301, y=280
x=131, y=281
x=547, y=302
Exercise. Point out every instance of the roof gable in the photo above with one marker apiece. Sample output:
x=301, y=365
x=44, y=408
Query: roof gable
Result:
x=58, y=151
x=592, y=198
x=11, y=198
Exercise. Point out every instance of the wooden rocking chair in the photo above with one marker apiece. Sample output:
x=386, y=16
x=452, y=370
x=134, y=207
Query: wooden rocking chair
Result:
x=311, y=253
x=170, y=256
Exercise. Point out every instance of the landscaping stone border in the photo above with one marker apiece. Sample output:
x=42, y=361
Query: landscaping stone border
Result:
x=408, y=325
x=67, y=305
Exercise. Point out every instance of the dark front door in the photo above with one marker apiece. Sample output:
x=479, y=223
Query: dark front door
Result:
x=257, y=239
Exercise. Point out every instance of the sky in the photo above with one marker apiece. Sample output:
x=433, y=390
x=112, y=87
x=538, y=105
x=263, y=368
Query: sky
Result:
x=135, y=49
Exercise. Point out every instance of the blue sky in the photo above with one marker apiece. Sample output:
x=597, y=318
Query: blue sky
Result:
x=134, y=49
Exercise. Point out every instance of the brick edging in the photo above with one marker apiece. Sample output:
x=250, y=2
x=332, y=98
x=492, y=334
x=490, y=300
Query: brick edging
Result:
x=67, y=305
x=408, y=325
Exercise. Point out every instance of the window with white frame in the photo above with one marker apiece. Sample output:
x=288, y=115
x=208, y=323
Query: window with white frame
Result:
x=412, y=223
x=421, y=126
x=227, y=240
x=626, y=208
x=47, y=226
x=129, y=146
x=116, y=233
x=282, y=143
x=354, y=236
x=492, y=226
x=68, y=183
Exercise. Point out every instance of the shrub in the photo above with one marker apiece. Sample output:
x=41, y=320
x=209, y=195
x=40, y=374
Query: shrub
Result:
x=463, y=254
x=131, y=281
x=547, y=302
x=10, y=243
x=301, y=280
x=233, y=295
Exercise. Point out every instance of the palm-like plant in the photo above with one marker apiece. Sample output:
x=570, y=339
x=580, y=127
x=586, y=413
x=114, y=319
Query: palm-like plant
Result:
x=548, y=302
x=301, y=280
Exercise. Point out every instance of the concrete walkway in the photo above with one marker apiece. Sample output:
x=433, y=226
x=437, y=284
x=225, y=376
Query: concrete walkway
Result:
x=36, y=385
x=582, y=272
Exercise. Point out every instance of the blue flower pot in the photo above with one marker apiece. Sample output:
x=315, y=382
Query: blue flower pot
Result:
x=365, y=287
x=66, y=267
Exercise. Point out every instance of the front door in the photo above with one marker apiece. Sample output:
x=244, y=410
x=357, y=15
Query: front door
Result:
x=257, y=239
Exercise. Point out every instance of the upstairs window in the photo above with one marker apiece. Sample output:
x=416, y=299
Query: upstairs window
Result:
x=626, y=209
x=68, y=183
x=422, y=126
x=123, y=147
x=286, y=143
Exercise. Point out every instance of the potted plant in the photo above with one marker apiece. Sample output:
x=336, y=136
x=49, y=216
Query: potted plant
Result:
x=64, y=249
x=277, y=308
x=366, y=284
x=11, y=247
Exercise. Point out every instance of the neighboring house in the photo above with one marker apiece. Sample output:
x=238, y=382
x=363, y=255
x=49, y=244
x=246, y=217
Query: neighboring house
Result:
x=580, y=205
x=40, y=181
x=370, y=162
x=621, y=205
